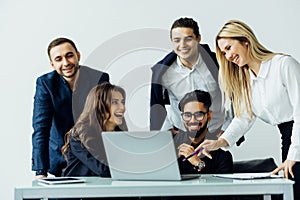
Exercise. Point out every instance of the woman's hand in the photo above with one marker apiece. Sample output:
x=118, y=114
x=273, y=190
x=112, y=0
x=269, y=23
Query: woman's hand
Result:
x=211, y=145
x=287, y=167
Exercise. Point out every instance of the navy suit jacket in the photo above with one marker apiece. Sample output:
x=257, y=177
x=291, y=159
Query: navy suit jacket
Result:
x=55, y=110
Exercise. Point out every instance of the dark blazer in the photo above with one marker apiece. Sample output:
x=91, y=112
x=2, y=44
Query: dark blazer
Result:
x=55, y=110
x=81, y=162
x=159, y=95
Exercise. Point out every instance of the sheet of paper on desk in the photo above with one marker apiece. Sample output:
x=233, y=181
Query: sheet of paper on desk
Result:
x=247, y=176
x=60, y=180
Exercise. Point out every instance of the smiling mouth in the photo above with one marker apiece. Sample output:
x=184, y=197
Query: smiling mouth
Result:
x=68, y=68
x=118, y=115
x=235, y=60
x=184, y=50
x=194, y=126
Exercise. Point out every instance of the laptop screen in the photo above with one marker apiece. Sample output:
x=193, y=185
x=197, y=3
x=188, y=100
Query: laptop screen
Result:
x=143, y=155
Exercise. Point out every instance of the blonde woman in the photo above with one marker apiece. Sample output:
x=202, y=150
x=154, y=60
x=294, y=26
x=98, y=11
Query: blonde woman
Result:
x=260, y=84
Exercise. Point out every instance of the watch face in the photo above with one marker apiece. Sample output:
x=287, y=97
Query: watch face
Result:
x=201, y=164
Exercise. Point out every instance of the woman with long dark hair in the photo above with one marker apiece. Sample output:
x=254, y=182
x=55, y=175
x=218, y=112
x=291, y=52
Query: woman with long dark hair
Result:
x=103, y=111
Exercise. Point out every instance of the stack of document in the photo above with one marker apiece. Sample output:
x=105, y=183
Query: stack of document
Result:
x=247, y=176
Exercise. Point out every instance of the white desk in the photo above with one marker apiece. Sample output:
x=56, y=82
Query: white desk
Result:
x=205, y=185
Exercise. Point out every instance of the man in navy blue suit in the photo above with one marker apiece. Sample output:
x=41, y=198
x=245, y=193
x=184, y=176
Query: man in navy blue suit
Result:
x=58, y=101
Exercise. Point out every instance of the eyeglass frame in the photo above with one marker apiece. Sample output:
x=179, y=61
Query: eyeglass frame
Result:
x=193, y=115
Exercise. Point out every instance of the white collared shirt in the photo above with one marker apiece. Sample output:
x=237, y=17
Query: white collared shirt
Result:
x=275, y=99
x=179, y=80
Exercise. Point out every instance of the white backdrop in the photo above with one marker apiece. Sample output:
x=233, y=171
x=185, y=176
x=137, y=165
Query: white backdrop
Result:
x=123, y=38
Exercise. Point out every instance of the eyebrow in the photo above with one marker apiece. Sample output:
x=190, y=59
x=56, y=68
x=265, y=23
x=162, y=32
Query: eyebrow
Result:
x=189, y=36
x=114, y=99
x=67, y=54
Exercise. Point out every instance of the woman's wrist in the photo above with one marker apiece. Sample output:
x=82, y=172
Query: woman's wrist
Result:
x=222, y=143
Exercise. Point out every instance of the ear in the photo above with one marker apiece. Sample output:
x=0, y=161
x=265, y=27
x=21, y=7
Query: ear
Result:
x=209, y=115
x=198, y=38
x=78, y=55
x=52, y=65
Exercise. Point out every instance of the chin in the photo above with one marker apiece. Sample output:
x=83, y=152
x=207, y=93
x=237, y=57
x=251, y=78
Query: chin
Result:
x=193, y=130
x=119, y=123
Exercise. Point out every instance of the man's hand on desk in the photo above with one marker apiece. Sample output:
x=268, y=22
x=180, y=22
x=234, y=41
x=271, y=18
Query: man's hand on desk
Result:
x=40, y=176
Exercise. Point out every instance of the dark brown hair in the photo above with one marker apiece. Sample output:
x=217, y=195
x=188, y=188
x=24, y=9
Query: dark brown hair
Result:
x=94, y=116
x=59, y=41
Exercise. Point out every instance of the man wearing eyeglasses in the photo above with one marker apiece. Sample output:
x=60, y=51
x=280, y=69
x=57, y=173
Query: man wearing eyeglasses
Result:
x=196, y=113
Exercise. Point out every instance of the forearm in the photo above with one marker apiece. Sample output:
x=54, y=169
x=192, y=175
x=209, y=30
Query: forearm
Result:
x=237, y=128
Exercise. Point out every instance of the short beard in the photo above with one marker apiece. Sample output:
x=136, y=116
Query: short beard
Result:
x=196, y=134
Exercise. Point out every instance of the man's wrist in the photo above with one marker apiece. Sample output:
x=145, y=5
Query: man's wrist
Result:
x=199, y=166
x=41, y=172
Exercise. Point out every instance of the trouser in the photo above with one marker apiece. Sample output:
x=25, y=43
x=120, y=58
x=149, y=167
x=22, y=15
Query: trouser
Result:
x=286, y=133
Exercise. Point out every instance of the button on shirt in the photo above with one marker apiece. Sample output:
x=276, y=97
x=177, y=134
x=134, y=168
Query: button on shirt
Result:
x=275, y=99
x=179, y=80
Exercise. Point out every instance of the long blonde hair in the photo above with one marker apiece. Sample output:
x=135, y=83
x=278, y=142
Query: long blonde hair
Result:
x=235, y=80
x=93, y=118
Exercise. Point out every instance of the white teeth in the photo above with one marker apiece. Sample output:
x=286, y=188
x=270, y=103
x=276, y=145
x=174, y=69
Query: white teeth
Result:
x=235, y=59
x=119, y=114
x=184, y=50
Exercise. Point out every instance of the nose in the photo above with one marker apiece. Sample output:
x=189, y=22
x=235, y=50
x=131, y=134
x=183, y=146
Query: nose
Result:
x=193, y=119
x=122, y=107
x=229, y=56
x=182, y=43
x=65, y=61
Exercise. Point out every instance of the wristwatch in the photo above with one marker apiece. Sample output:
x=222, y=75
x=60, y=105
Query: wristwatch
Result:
x=200, y=166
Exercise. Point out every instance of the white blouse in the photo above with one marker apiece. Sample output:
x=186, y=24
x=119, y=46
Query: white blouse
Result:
x=275, y=99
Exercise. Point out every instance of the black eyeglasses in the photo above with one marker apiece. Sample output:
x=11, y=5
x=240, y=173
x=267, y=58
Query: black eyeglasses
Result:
x=199, y=115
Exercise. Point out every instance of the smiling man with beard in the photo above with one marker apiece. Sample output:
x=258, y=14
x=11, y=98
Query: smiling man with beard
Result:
x=196, y=115
x=58, y=101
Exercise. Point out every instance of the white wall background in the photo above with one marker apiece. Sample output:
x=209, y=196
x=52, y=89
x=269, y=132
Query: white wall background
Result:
x=26, y=28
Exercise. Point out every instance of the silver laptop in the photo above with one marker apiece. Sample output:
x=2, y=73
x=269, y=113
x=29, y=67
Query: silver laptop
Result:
x=143, y=155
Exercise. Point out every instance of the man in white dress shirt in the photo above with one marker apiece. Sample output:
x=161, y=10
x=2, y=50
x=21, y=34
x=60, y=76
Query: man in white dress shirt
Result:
x=190, y=66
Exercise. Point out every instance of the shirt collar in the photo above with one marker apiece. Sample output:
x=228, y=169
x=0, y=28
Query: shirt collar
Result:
x=179, y=63
x=263, y=71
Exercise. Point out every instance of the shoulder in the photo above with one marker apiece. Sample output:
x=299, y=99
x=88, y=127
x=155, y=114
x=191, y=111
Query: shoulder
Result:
x=50, y=79
x=210, y=53
x=166, y=61
x=289, y=60
x=285, y=62
x=93, y=74
x=48, y=76
x=90, y=70
x=206, y=47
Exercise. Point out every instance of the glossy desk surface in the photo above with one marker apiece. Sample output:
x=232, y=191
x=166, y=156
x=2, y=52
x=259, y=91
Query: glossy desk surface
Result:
x=205, y=185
